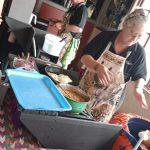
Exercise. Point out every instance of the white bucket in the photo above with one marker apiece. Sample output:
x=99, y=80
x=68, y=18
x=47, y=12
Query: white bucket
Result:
x=53, y=44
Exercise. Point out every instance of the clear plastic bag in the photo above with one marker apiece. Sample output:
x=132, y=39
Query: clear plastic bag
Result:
x=20, y=62
x=103, y=111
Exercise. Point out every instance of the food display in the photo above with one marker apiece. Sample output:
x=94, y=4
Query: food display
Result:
x=74, y=95
x=60, y=78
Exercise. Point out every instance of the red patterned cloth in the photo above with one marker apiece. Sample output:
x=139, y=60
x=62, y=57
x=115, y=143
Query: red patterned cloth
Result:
x=123, y=118
x=12, y=138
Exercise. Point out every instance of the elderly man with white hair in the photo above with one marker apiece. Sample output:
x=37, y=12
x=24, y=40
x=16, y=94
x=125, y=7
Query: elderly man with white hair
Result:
x=113, y=58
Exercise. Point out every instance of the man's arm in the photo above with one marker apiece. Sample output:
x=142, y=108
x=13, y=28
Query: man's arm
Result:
x=104, y=75
x=67, y=27
x=73, y=28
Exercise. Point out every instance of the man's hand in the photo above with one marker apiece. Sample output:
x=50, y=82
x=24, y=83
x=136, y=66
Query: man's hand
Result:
x=105, y=76
x=140, y=97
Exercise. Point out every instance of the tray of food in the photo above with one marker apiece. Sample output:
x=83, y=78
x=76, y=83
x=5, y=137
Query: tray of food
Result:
x=35, y=91
x=62, y=76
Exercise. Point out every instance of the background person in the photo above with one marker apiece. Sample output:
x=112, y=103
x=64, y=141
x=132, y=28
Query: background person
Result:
x=71, y=28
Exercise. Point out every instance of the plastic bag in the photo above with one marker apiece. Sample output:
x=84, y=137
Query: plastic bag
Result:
x=20, y=62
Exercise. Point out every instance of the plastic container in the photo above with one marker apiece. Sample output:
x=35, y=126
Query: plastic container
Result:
x=53, y=44
x=77, y=107
x=35, y=91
